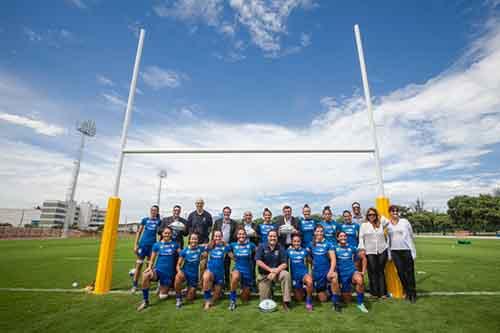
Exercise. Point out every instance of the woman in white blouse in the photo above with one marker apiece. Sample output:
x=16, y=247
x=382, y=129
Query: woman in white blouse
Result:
x=372, y=240
x=402, y=251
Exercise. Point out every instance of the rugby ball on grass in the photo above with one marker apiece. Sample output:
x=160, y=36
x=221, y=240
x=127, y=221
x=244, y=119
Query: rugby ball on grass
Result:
x=177, y=226
x=286, y=229
x=267, y=305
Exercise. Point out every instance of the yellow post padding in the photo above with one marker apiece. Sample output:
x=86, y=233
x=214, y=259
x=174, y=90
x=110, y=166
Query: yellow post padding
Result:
x=394, y=286
x=107, y=249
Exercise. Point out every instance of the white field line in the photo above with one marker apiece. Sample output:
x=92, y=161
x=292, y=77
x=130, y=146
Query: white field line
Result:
x=123, y=291
x=434, y=260
x=459, y=237
x=132, y=260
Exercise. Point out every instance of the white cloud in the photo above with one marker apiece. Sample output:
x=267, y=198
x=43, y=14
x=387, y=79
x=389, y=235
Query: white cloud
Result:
x=158, y=78
x=78, y=3
x=266, y=20
x=115, y=101
x=206, y=11
x=32, y=35
x=50, y=37
x=101, y=79
x=39, y=126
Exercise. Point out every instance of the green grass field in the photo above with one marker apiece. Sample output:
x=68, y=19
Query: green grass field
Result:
x=44, y=264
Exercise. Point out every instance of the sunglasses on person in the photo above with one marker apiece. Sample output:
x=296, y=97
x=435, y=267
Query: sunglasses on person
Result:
x=394, y=211
x=372, y=214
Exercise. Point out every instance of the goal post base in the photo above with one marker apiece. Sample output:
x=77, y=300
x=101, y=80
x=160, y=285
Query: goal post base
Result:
x=394, y=286
x=107, y=248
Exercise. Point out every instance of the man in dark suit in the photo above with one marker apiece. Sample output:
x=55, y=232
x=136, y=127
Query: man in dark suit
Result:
x=287, y=218
x=176, y=217
x=228, y=227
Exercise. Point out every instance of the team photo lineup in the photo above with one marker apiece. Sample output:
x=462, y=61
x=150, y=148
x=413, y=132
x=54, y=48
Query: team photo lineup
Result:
x=310, y=260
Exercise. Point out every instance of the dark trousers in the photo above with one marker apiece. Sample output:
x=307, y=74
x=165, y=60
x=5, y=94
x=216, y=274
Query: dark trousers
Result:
x=376, y=275
x=406, y=270
x=227, y=271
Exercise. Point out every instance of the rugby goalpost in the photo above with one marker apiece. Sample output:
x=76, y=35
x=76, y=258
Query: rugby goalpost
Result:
x=110, y=231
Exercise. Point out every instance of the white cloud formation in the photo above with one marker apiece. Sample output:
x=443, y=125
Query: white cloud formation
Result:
x=206, y=11
x=101, y=79
x=447, y=123
x=158, y=78
x=78, y=3
x=39, y=126
x=32, y=35
x=115, y=101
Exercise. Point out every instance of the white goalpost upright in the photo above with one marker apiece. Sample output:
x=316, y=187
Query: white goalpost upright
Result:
x=108, y=240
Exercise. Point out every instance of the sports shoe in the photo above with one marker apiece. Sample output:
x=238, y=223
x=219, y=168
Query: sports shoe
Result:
x=133, y=290
x=309, y=307
x=178, y=303
x=413, y=299
x=362, y=308
x=232, y=306
x=207, y=306
x=337, y=307
x=142, y=306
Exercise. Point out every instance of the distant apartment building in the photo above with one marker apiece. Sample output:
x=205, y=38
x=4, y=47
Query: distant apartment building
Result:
x=54, y=213
x=18, y=217
x=91, y=216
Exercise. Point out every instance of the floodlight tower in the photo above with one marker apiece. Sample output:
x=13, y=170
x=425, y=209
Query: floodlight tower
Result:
x=162, y=174
x=86, y=128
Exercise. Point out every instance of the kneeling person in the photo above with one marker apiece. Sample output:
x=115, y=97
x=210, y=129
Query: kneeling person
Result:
x=272, y=260
x=188, y=267
x=301, y=279
x=347, y=273
x=213, y=277
x=164, y=253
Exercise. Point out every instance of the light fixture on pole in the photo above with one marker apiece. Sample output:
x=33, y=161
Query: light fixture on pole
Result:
x=86, y=128
x=162, y=174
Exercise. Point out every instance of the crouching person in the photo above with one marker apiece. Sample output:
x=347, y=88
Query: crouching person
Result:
x=272, y=260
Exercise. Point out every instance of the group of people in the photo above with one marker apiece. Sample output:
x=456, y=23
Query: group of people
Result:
x=302, y=255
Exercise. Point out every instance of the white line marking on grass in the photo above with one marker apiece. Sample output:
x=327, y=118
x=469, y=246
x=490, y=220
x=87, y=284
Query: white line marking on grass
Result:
x=95, y=259
x=435, y=260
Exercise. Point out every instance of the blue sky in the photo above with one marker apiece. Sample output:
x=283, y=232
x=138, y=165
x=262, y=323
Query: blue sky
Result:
x=253, y=73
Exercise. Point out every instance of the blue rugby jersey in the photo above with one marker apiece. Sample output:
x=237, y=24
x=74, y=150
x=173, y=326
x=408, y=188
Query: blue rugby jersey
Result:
x=192, y=259
x=298, y=264
x=352, y=231
x=167, y=256
x=345, y=258
x=243, y=259
x=320, y=258
x=307, y=230
x=216, y=257
x=330, y=231
x=150, y=230
x=263, y=230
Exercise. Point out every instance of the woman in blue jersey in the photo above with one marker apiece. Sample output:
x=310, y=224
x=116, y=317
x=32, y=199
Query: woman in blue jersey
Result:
x=352, y=231
x=213, y=277
x=188, y=267
x=161, y=267
x=266, y=226
x=348, y=276
x=144, y=240
x=330, y=227
x=301, y=279
x=242, y=252
x=323, y=262
x=306, y=226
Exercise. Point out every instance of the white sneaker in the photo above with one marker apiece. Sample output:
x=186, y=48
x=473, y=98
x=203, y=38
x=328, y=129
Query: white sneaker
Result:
x=362, y=308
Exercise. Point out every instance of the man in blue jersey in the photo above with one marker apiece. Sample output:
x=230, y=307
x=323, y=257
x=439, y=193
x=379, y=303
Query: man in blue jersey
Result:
x=324, y=263
x=188, y=267
x=266, y=226
x=272, y=261
x=144, y=240
x=161, y=267
x=330, y=226
x=347, y=274
x=301, y=279
x=242, y=253
x=306, y=226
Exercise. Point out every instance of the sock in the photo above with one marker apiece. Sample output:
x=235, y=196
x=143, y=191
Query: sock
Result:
x=207, y=294
x=145, y=294
x=232, y=296
x=135, y=284
x=178, y=296
x=360, y=297
x=308, y=300
x=335, y=298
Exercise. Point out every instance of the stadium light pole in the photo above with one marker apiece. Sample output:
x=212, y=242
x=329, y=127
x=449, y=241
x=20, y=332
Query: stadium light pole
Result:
x=110, y=232
x=162, y=174
x=394, y=286
x=86, y=128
